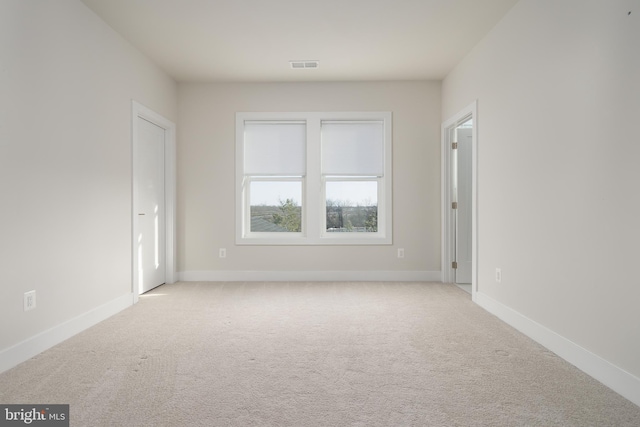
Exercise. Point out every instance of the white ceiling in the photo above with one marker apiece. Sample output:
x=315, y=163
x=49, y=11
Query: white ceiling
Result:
x=254, y=40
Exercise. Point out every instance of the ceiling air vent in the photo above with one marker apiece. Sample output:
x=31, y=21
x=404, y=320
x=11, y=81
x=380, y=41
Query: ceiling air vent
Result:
x=299, y=65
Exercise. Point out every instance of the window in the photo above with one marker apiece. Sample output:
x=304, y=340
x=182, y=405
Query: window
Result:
x=313, y=178
x=352, y=169
x=274, y=168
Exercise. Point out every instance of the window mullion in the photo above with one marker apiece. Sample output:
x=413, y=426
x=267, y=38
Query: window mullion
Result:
x=313, y=184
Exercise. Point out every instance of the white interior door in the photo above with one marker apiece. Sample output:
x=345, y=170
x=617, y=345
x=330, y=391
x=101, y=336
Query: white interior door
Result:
x=460, y=226
x=464, y=182
x=150, y=181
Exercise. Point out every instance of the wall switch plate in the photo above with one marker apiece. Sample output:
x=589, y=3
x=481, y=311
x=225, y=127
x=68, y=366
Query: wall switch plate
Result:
x=498, y=275
x=29, y=300
x=400, y=252
x=222, y=253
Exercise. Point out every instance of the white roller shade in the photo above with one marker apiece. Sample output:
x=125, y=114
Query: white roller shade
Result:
x=353, y=148
x=274, y=148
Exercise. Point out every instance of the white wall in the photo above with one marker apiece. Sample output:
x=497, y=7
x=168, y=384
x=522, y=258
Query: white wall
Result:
x=558, y=90
x=66, y=84
x=206, y=214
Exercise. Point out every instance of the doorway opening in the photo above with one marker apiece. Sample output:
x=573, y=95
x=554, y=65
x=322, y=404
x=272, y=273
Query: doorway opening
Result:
x=459, y=201
x=153, y=200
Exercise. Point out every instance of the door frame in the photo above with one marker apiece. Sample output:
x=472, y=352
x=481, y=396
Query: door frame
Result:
x=139, y=111
x=448, y=215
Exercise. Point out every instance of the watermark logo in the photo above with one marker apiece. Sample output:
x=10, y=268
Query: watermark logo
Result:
x=34, y=415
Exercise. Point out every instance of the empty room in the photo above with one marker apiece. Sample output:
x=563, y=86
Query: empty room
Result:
x=305, y=213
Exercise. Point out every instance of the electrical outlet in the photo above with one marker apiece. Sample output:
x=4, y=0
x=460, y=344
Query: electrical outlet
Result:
x=223, y=253
x=498, y=275
x=29, y=300
x=400, y=252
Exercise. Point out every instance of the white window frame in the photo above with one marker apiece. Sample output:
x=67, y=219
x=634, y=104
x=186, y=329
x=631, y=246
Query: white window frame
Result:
x=314, y=184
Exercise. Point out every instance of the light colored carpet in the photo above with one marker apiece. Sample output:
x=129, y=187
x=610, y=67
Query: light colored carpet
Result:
x=311, y=354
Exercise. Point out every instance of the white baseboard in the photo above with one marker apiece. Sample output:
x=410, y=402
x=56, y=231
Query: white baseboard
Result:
x=310, y=276
x=35, y=345
x=617, y=379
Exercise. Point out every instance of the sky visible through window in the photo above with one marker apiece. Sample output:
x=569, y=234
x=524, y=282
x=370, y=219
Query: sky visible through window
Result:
x=270, y=193
x=357, y=193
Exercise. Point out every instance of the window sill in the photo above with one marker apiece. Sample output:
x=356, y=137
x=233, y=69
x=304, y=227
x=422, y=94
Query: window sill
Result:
x=323, y=241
